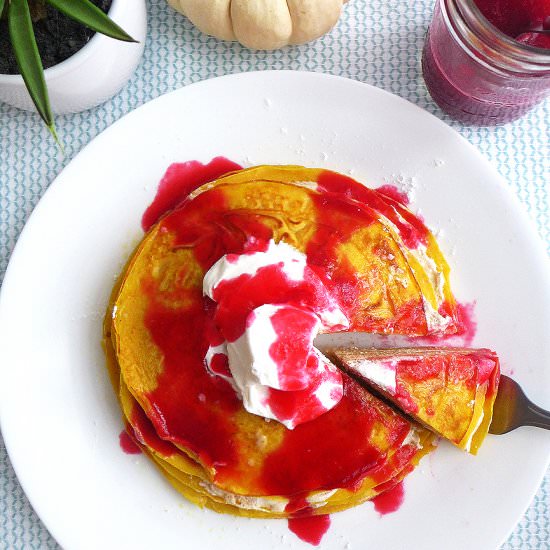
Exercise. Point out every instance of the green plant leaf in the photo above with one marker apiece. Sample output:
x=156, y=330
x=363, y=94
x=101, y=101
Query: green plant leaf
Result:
x=86, y=13
x=2, y=4
x=28, y=59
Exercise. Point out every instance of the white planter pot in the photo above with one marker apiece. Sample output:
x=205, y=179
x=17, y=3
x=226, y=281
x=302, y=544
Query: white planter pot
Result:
x=92, y=75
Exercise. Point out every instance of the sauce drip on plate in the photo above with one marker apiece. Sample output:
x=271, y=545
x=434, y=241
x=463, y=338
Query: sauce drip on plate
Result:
x=310, y=528
x=389, y=501
x=127, y=444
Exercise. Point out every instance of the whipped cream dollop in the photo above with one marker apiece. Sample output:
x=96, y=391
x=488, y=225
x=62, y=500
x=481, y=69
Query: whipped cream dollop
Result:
x=270, y=305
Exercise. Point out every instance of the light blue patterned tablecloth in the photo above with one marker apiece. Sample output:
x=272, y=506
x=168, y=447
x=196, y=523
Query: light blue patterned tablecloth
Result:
x=376, y=41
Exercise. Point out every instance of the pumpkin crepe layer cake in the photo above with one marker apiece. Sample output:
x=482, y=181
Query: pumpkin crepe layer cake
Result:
x=182, y=320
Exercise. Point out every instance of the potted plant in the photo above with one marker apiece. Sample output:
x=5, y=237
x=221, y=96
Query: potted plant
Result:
x=95, y=72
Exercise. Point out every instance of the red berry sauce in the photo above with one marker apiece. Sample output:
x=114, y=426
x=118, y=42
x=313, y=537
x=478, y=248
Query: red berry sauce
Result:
x=181, y=179
x=389, y=501
x=310, y=528
x=483, y=92
x=127, y=443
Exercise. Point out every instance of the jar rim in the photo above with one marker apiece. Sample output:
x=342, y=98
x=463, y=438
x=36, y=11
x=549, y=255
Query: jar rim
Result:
x=471, y=25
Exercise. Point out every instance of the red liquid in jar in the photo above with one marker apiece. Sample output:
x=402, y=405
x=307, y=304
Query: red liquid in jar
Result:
x=515, y=17
x=476, y=92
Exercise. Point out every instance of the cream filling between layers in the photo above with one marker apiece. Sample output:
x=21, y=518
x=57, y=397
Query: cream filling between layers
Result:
x=263, y=504
x=478, y=424
x=435, y=322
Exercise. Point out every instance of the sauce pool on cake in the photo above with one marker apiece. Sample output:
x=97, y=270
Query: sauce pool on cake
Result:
x=465, y=334
x=179, y=180
x=393, y=192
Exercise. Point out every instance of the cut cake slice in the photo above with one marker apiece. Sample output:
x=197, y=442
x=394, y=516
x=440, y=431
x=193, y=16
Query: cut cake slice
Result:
x=449, y=390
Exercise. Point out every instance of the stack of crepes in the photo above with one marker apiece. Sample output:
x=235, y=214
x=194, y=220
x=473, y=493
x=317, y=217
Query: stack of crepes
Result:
x=378, y=260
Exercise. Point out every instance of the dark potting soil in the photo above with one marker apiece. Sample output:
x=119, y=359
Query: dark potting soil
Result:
x=58, y=37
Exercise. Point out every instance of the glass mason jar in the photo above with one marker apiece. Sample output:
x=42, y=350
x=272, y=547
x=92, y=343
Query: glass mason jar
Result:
x=476, y=73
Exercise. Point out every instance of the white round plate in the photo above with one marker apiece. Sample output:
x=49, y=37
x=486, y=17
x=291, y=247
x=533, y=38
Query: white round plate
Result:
x=59, y=416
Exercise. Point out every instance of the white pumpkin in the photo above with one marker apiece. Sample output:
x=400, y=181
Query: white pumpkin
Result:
x=262, y=24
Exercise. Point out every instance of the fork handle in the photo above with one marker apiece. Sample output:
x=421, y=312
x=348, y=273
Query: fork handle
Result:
x=536, y=416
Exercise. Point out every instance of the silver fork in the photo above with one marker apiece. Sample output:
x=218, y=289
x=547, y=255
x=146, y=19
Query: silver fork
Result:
x=513, y=409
